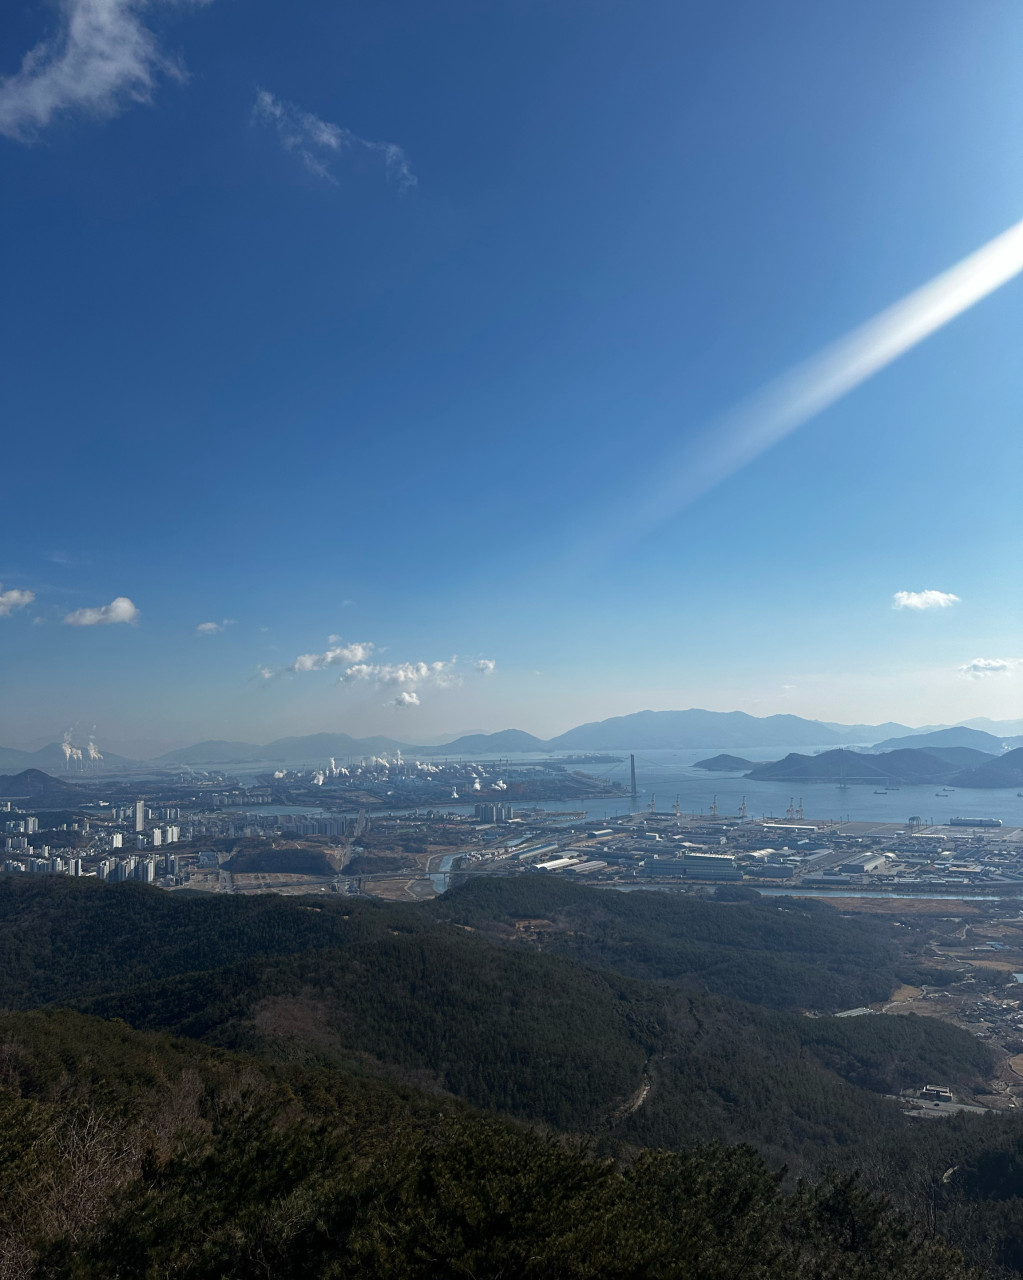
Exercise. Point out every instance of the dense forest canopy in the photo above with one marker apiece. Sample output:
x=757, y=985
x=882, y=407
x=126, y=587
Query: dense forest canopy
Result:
x=260, y=1064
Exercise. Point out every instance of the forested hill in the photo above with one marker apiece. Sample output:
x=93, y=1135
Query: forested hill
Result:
x=63, y=940
x=794, y=953
x=617, y=999
x=131, y=1155
x=319, y=1111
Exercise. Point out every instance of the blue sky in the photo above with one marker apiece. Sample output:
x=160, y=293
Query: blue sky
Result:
x=384, y=321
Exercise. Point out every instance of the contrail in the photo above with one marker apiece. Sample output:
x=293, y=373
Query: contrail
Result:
x=799, y=395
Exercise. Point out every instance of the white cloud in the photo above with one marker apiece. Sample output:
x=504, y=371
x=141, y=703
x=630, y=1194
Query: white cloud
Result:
x=318, y=143
x=14, y=599
x=337, y=656
x=923, y=599
x=407, y=677
x=101, y=58
x=980, y=668
x=384, y=674
x=119, y=610
x=211, y=628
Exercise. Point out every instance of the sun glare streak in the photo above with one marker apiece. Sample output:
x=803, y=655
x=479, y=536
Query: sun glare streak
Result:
x=805, y=391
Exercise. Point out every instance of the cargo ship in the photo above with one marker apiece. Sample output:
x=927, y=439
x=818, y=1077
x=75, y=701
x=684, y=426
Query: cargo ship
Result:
x=974, y=822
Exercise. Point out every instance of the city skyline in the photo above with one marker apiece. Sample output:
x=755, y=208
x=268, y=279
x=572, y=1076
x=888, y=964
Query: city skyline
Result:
x=362, y=368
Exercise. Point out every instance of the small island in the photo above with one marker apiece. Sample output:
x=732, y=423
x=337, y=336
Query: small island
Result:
x=725, y=764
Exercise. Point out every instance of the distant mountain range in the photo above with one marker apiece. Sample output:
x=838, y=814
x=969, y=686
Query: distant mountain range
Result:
x=959, y=736
x=642, y=731
x=1000, y=728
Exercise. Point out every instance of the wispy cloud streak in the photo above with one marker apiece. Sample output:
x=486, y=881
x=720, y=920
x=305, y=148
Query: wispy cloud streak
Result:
x=318, y=143
x=811, y=387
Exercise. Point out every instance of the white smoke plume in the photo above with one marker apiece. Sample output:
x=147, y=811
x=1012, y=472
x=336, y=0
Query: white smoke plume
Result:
x=73, y=756
x=93, y=750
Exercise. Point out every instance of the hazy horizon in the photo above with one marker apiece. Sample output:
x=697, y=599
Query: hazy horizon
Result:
x=143, y=749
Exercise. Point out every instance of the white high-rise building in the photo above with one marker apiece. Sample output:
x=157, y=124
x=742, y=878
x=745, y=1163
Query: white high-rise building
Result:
x=157, y=837
x=140, y=815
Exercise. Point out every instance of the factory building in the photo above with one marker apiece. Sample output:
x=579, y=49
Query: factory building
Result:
x=692, y=866
x=864, y=865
